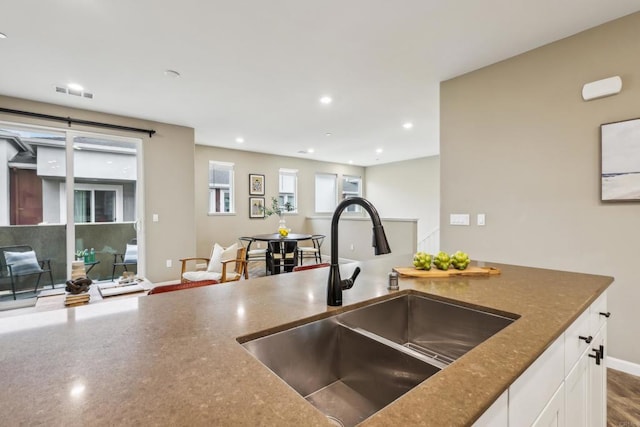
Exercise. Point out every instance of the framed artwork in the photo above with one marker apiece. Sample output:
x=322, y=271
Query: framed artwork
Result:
x=256, y=184
x=620, y=157
x=256, y=207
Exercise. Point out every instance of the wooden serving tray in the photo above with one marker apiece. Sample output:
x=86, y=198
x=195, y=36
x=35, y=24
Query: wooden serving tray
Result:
x=434, y=272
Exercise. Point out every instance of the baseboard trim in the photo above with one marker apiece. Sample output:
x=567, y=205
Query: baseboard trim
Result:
x=624, y=366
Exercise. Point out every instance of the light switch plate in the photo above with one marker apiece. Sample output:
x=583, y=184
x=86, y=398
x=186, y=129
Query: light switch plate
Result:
x=480, y=219
x=459, y=219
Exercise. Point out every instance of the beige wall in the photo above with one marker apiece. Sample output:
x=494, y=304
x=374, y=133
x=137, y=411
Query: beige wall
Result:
x=167, y=179
x=408, y=189
x=519, y=144
x=225, y=229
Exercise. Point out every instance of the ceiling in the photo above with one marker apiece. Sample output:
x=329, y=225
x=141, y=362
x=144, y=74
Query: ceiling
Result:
x=256, y=69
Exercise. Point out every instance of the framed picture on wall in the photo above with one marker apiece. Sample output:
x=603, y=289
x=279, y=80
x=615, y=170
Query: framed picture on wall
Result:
x=620, y=154
x=256, y=207
x=256, y=184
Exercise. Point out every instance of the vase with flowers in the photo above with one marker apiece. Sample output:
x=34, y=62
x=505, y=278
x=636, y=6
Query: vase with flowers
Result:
x=278, y=209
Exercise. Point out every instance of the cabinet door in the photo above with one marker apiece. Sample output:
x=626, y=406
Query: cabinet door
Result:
x=497, y=415
x=598, y=381
x=553, y=415
x=577, y=393
x=529, y=394
x=576, y=337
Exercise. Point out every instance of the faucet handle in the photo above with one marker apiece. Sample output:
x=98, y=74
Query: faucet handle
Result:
x=348, y=283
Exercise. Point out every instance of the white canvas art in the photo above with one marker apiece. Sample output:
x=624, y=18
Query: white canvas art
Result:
x=621, y=160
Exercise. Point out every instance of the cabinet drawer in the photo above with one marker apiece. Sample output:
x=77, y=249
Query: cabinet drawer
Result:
x=596, y=319
x=573, y=344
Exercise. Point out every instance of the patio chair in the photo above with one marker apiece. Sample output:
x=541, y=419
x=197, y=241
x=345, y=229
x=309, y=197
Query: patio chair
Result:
x=127, y=259
x=225, y=265
x=20, y=261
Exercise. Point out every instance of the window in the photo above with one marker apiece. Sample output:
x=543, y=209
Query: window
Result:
x=352, y=187
x=220, y=187
x=288, y=188
x=97, y=203
x=325, y=192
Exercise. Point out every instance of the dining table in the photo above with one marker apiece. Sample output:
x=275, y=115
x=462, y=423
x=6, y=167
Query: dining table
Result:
x=276, y=236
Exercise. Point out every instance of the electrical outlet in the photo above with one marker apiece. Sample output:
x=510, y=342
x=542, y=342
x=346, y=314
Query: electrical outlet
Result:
x=169, y=263
x=351, y=247
x=156, y=218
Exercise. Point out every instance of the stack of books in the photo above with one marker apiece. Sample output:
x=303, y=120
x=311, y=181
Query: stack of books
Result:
x=71, y=300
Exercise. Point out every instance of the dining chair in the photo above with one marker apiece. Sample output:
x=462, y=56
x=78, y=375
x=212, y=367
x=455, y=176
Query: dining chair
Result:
x=282, y=256
x=312, y=251
x=256, y=254
x=225, y=265
x=19, y=261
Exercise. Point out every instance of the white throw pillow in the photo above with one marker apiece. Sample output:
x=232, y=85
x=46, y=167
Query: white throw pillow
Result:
x=131, y=254
x=220, y=254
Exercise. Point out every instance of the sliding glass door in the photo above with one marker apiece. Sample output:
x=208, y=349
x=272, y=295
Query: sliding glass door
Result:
x=105, y=194
x=50, y=178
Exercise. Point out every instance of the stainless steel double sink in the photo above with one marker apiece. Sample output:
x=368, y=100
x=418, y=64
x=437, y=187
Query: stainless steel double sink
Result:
x=353, y=364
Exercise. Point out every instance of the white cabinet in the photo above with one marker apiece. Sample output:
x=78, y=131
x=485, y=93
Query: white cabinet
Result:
x=531, y=392
x=577, y=392
x=598, y=381
x=553, y=414
x=567, y=384
x=497, y=415
x=585, y=384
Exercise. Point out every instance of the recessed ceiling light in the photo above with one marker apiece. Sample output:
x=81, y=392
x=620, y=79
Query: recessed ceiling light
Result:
x=328, y=134
x=326, y=100
x=379, y=150
x=75, y=86
x=3, y=36
x=239, y=140
x=310, y=150
x=407, y=125
x=172, y=73
x=350, y=162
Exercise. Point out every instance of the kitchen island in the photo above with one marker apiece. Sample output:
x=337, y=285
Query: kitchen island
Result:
x=175, y=359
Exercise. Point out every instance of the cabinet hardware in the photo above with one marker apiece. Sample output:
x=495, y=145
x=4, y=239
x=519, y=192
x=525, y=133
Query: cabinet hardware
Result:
x=607, y=314
x=596, y=356
x=586, y=339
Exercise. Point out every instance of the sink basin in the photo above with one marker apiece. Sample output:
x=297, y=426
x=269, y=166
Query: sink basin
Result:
x=437, y=329
x=351, y=365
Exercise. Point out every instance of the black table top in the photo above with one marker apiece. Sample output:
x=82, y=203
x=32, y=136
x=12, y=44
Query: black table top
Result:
x=276, y=236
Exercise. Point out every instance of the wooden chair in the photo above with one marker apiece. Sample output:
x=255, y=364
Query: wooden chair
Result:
x=227, y=273
x=18, y=261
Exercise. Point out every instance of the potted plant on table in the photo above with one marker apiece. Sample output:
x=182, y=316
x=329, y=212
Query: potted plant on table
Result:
x=278, y=209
